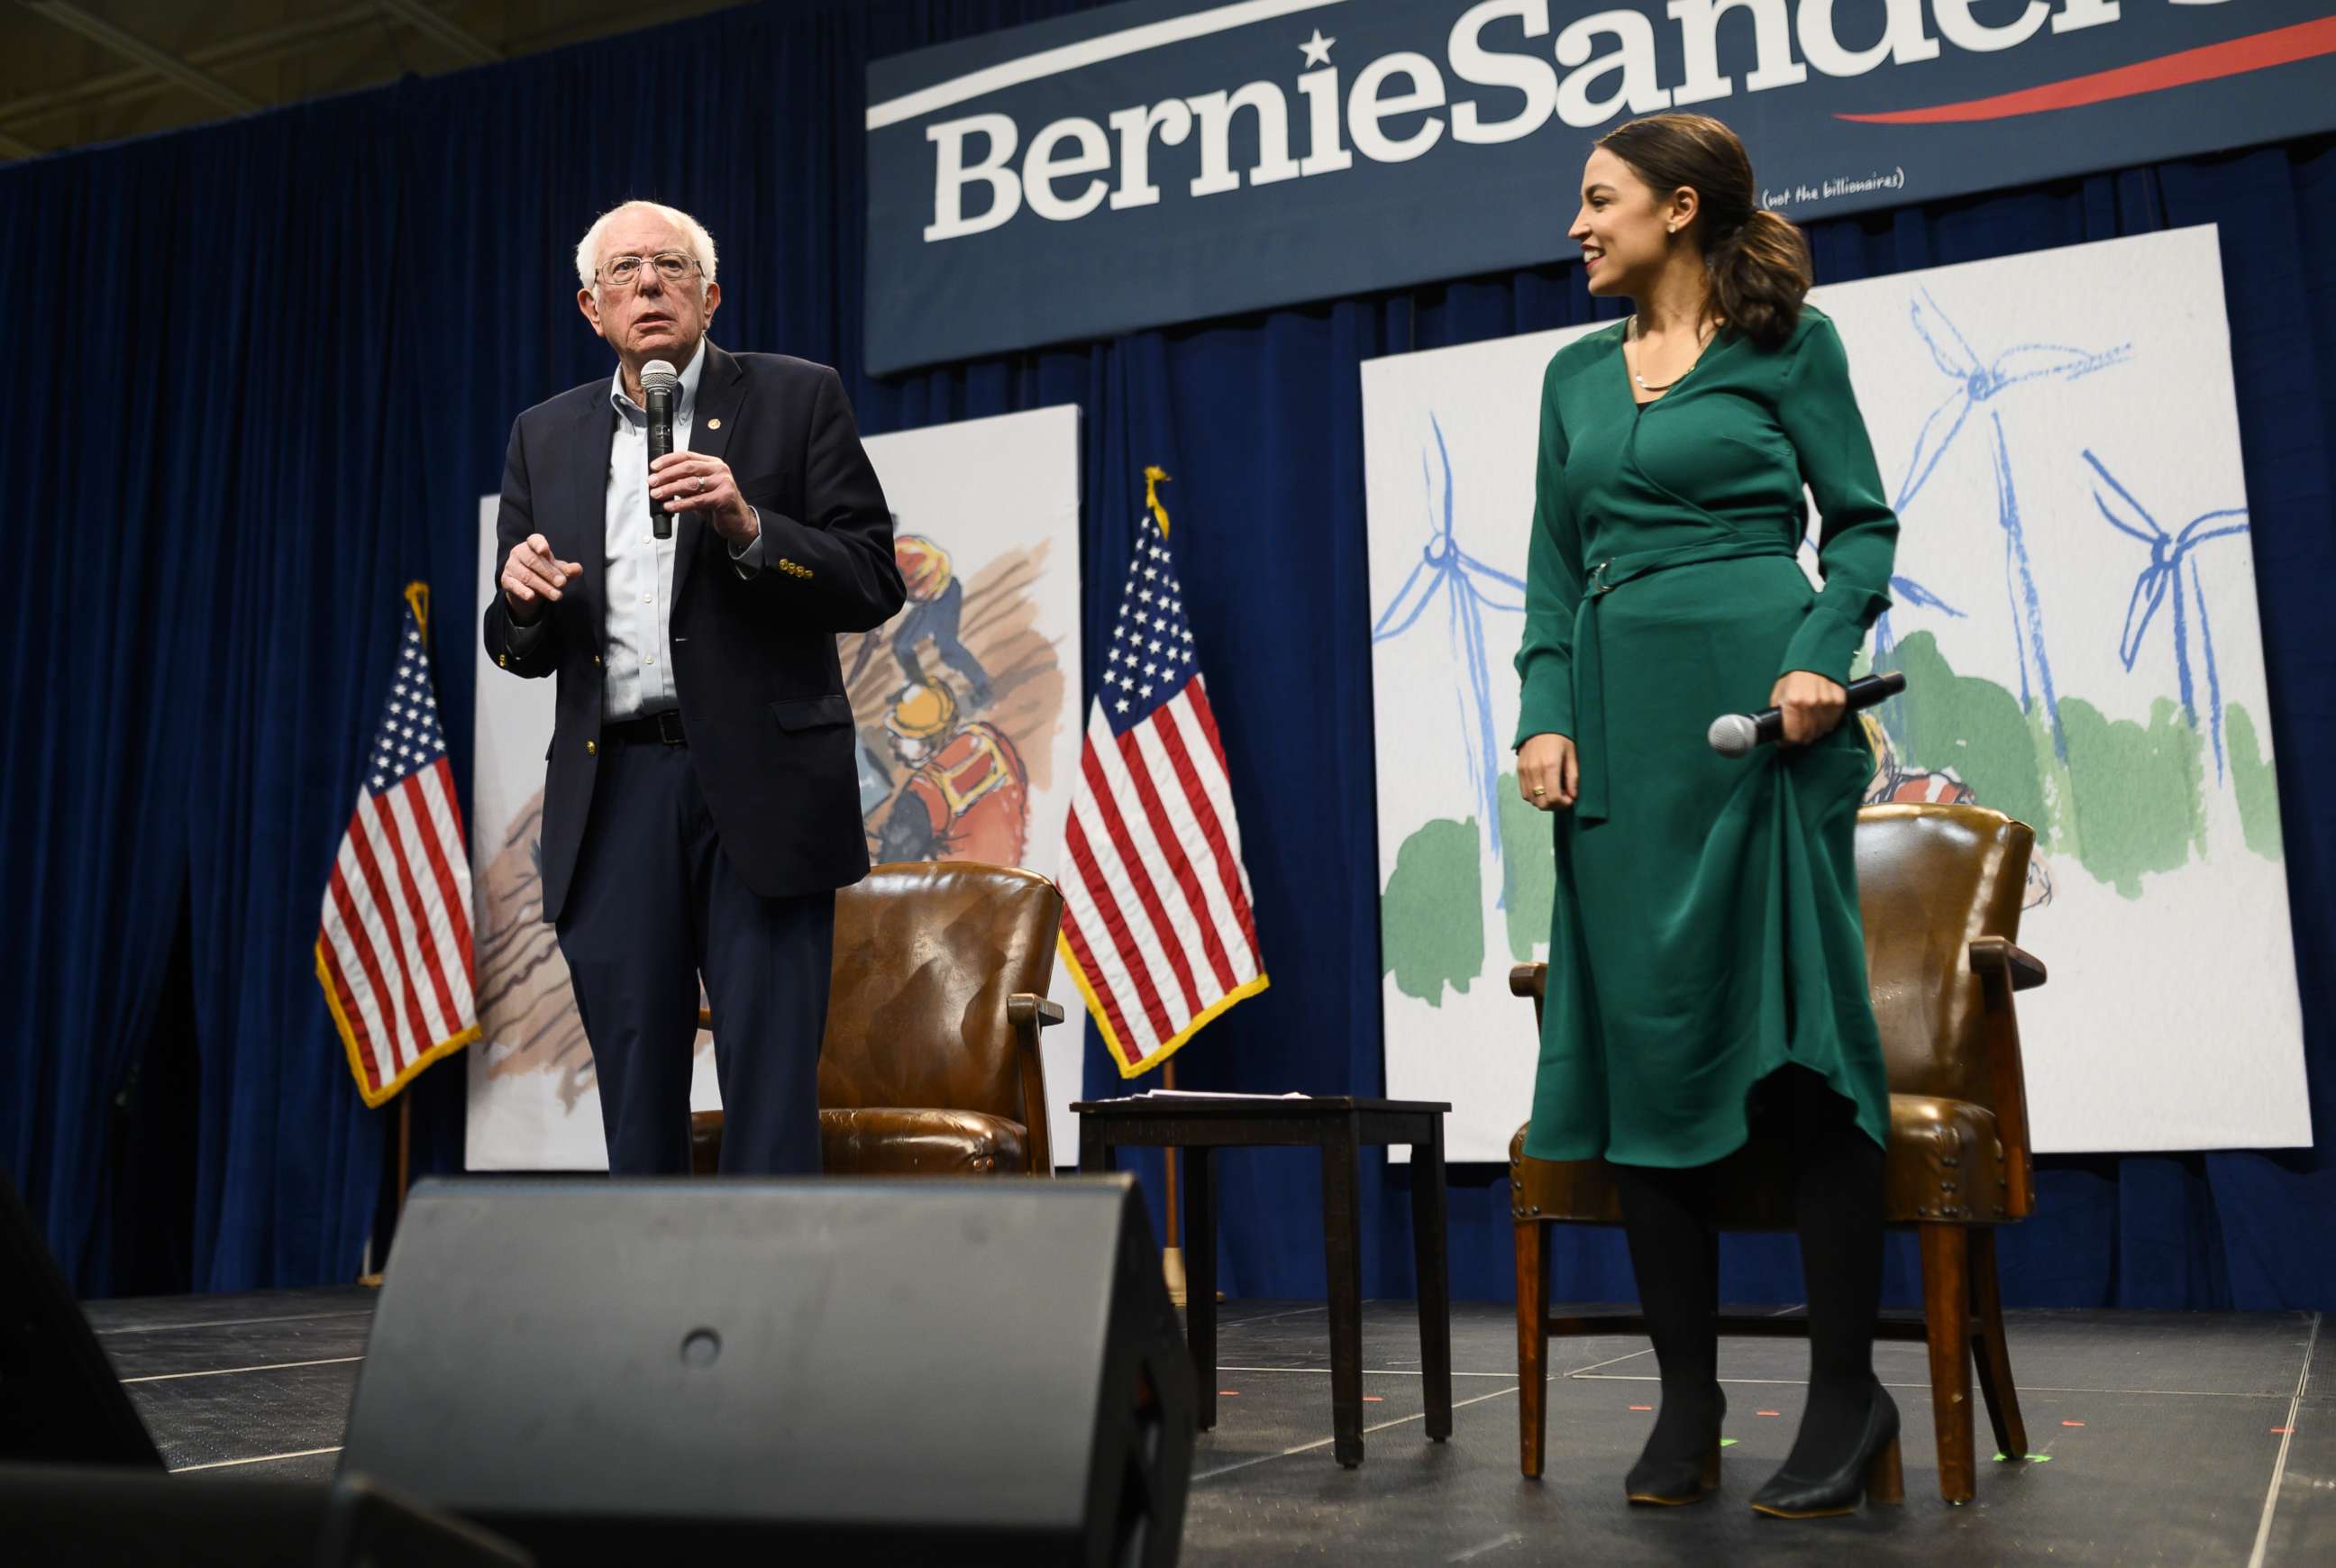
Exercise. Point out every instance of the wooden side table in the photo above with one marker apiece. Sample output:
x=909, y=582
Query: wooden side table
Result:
x=1338, y=1128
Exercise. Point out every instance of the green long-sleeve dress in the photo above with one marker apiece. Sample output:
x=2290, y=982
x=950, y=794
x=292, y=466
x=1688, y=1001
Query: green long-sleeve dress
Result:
x=1706, y=930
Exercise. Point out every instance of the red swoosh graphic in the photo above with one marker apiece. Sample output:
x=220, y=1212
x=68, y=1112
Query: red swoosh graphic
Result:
x=2234, y=57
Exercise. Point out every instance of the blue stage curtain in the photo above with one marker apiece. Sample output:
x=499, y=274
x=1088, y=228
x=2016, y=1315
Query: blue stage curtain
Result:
x=275, y=364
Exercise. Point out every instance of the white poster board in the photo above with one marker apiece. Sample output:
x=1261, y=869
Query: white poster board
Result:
x=987, y=531
x=2074, y=611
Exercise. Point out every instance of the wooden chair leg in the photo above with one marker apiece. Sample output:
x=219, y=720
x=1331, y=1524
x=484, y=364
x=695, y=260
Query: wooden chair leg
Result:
x=1533, y=1344
x=1946, y=1313
x=1995, y=1385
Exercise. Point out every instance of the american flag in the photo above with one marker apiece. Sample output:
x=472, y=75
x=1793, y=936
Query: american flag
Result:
x=1157, y=927
x=393, y=945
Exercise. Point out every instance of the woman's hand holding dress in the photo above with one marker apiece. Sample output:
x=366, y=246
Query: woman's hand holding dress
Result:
x=1548, y=774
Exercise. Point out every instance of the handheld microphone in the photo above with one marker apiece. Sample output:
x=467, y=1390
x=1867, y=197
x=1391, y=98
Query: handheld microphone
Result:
x=1736, y=734
x=660, y=387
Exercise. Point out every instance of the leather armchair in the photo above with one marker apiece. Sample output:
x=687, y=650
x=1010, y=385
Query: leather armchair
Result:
x=1941, y=890
x=930, y=1064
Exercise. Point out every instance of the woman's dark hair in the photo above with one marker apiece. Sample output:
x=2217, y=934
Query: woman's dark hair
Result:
x=1759, y=263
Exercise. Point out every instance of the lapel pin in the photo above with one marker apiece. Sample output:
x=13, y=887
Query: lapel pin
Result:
x=712, y=425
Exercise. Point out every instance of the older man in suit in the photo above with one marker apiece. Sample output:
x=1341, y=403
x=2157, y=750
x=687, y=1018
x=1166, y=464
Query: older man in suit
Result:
x=701, y=802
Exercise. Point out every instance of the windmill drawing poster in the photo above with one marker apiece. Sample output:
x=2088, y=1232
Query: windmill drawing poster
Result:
x=2073, y=606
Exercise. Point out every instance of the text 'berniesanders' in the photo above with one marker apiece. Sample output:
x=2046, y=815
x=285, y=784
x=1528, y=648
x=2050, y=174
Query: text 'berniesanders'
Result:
x=1158, y=161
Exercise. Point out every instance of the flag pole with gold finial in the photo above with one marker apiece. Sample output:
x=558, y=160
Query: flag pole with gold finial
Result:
x=417, y=599
x=1171, y=1255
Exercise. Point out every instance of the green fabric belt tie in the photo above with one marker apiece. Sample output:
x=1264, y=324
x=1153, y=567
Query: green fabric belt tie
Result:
x=1589, y=659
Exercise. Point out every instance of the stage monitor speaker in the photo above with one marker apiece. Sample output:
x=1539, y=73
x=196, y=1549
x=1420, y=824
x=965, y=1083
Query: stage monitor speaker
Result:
x=960, y=1371
x=59, y=1399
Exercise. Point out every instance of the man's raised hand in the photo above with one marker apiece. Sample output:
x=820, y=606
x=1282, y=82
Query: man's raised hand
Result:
x=532, y=577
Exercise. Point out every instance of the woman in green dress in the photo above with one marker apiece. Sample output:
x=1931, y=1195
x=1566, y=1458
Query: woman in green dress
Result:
x=1706, y=966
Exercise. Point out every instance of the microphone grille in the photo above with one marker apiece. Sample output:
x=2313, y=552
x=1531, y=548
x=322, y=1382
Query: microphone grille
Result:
x=657, y=375
x=1732, y=735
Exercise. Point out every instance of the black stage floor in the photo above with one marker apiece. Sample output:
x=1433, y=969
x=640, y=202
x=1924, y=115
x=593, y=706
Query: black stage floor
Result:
x=2164, y=1438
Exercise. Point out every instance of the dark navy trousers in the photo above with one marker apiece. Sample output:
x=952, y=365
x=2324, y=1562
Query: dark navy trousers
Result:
x=654, y=905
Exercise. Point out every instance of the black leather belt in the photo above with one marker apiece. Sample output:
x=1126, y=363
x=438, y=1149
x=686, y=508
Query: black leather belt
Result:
x=650, y=729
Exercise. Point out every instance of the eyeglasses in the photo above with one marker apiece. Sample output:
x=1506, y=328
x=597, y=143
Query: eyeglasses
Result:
x=671, y=264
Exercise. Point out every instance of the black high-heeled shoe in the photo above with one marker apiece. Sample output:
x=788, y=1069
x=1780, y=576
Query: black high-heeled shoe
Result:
x=1873, y=1469
x=1669, y=1479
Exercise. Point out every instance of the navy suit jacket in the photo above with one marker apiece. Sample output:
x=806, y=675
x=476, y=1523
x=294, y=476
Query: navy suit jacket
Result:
x=769, y=727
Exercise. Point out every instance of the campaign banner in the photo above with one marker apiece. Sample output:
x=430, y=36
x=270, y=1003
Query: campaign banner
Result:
x=1164, y=160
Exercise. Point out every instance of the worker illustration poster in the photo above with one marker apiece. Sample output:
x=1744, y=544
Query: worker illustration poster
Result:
x=966, y=703
x=2073, y=606
x=966, y=709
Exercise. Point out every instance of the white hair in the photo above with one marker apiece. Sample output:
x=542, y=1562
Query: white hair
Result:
x=588, y=250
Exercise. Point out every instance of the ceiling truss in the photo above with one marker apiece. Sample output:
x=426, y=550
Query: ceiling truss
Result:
x=57, y=91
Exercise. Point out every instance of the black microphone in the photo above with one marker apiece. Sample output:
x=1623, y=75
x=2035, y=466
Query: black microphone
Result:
x=660, y=386
x=1736, y=734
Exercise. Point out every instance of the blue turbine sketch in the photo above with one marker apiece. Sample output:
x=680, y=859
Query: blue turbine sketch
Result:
x=1467, y=588
x=2162, y=579
x=1982, y=381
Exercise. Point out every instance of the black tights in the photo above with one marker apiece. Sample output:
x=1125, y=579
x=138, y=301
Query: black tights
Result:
x=1837, y=1208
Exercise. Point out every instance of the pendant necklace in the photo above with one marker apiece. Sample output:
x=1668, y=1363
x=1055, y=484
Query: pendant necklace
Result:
x=1630, y=333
